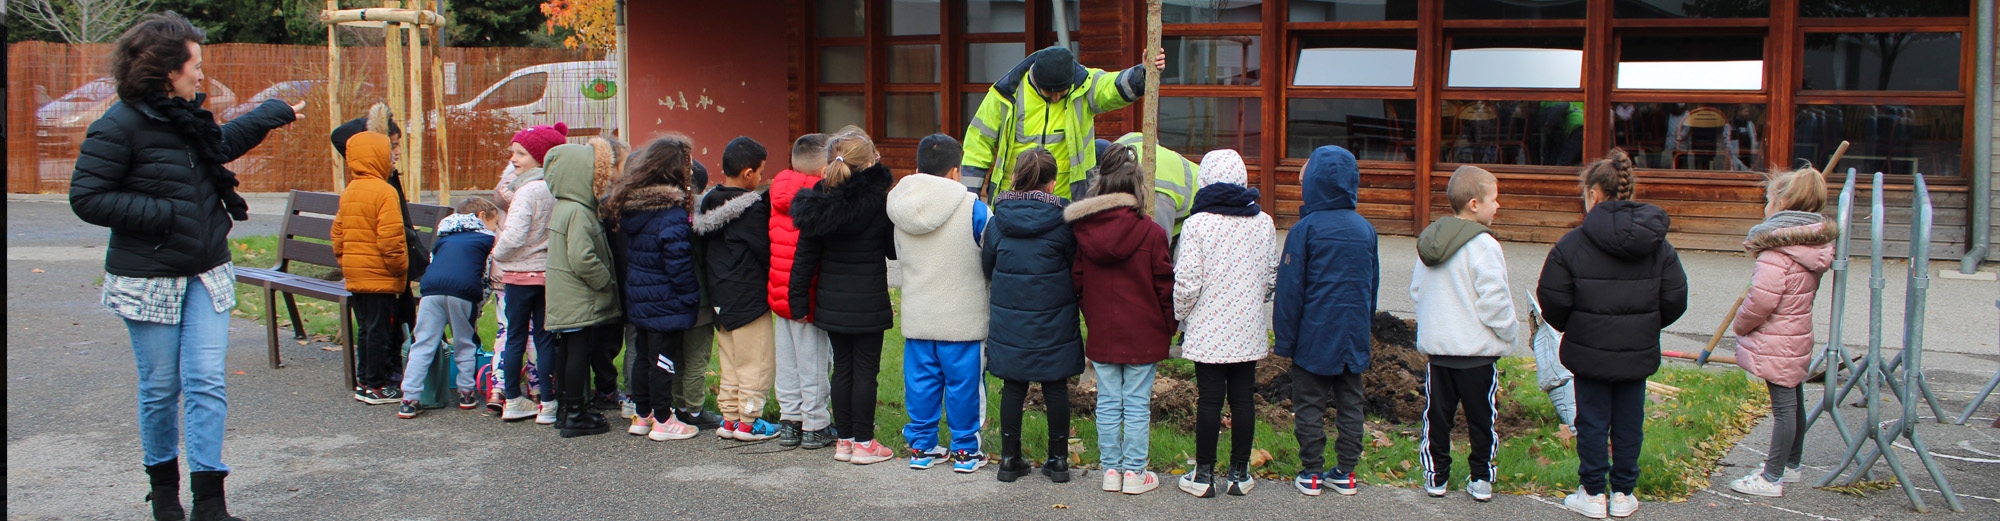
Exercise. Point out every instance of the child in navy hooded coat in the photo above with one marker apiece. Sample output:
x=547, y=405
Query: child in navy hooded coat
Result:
x=1033, y=335
x=651, y=206
x=1324, y=308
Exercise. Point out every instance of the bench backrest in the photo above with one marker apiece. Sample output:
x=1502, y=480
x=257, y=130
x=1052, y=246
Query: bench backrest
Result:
x=309, y=215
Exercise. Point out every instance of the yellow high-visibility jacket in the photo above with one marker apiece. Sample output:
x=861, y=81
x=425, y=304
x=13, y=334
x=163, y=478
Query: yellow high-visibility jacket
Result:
x=1175, y=180
x=1014, y=117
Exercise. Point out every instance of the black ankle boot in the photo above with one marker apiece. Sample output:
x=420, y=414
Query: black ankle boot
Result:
x=166, y=492
x=1057, y=466
x=208, y=502
x=579, y=420
x=1012, y=466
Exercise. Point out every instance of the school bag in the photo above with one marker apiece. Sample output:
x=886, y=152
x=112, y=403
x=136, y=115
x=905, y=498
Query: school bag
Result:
x=1550, y=374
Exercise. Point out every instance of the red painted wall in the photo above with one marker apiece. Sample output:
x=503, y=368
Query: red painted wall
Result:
x=713, y=71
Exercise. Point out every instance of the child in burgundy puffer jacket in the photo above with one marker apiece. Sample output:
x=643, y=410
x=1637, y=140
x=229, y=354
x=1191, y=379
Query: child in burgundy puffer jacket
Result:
x=1774, y=328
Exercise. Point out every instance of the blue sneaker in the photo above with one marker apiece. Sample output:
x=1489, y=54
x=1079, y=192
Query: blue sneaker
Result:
x=921, y=460
x=1343, y=482
x=967, y=462
x=759, y=430
x=1308, y=482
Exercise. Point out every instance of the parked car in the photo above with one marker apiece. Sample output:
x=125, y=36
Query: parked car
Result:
x=579, y=94
x=59, y=124
x=292, y=92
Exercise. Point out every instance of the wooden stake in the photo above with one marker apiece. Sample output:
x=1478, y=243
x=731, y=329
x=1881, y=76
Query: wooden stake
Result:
x=1149, y=123
x=413, y=122
x=437, y=90
x=333, y=98
x=392, y=41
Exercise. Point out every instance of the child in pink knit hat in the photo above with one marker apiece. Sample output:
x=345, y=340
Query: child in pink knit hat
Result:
x=520, y=258
x=537, y=140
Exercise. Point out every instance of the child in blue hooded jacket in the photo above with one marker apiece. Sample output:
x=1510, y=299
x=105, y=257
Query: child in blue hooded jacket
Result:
x=1323, y=312
x=650, y=206
x=452, y=294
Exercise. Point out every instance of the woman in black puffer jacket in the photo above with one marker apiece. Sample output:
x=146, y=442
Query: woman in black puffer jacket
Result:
x=845, y=238
x=151, y=170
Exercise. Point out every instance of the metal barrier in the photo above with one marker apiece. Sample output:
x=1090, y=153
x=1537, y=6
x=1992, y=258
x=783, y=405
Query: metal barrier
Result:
x=1983, y=393
x=1874, y=372
x=1835, y=356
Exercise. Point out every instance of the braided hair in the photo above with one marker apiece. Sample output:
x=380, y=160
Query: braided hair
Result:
x=1611, y=175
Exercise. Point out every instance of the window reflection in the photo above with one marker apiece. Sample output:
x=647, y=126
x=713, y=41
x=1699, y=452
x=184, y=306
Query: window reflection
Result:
x=1351, y=10
x=1194, y=126
x=1356, y=62
x=1211, y=60
x=913, y=63
x=1881, y=61
x=842, y=64
x=1548, y=62
x=1691, y=136
x=1692, y=9
x=1880, y=9
x=913, y=17
x=1210, y=11
x=1373, y=129
x=1699, y=63
x=1511, y=132
x=840, y=110
x=987, y=62
x=995, y=16
x=912, y=115
x=842, y=18
x=1893, y=139
x=1514, y=9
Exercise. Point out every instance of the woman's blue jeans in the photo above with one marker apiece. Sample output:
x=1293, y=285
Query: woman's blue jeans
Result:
x=184, y=358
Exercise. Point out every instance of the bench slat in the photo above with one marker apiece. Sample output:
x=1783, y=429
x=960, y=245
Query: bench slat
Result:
x=314, y=202
x=309, y=253
x=309, y=227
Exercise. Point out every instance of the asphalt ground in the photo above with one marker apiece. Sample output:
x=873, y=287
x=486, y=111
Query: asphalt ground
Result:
x=301, y=448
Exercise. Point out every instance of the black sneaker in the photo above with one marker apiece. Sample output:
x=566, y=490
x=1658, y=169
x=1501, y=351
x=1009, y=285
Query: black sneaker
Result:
x=704, y=420
x=468, y=400
x=790, y=433
x=378, y=395
x=604, y=401
x=580, y=422
x=819, y=439
x=409, y=409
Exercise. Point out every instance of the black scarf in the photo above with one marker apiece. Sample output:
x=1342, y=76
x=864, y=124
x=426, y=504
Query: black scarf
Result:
x=1227, y=199
x=197, y=125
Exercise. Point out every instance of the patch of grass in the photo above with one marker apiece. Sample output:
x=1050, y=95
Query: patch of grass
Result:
x=1685, y=436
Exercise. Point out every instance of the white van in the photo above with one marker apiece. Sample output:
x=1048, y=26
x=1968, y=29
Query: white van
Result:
x=578, y=94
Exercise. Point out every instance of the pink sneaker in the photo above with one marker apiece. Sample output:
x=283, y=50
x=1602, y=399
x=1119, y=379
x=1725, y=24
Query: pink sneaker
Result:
x=844, y=450
x=672, y=429
x=870, y=452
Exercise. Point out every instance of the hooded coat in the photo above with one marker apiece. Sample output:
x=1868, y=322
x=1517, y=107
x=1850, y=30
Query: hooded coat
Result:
x=660, y=289
x=1610, y=286
x=1033, y=335
x=1226, y=268
x=523, y=243
x=785, y=244
x=1460, y=289
x=137, y=173
x=1774, y=329
x=1124, y=281
x=944, y=293
x=458, y=259
x=1330, y=272
x=582, y=281
x=845, y=241
x=367, y=230
x=734, y=225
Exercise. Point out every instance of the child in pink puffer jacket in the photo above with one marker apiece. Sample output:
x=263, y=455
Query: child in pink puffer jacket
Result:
x=1774, y=328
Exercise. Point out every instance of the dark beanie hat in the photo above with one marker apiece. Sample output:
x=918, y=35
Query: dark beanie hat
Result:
x=700, y=178
x=347, y=131
x=1054, y=69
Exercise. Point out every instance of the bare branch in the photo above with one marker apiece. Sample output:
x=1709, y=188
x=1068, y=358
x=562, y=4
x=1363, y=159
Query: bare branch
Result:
x=81, y=21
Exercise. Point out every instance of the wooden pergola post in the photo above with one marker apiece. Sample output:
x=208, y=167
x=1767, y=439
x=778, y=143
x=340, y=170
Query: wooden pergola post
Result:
x=333, y=119
x=405, y=82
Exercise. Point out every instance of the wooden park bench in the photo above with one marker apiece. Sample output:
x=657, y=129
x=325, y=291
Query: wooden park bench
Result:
x=305, y=237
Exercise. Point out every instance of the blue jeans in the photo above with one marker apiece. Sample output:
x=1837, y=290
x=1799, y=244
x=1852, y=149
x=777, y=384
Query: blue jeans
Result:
x=525, y=314
x=1124, y=400
x=176, y=358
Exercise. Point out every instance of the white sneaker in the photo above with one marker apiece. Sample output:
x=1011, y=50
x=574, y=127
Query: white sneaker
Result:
x=1114, y=481
x=548, y=414
x=1623, y=505
x=518, y=409
x=1755, y=485
x=1140, y=482
x=1481, y=490
x=1591, y=506
x=627, y=409
x=1791, y=474
x=1434, y=489
x=640, y=426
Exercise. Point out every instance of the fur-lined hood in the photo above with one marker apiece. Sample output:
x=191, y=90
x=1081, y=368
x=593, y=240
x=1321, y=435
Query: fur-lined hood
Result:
x=710, y=220
x=1814, y=234
x=1094, y=205
x=1109, y=228
x=655, y=197
x=823, y=210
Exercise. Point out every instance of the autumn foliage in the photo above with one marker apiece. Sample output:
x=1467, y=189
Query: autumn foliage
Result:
x=592, y=23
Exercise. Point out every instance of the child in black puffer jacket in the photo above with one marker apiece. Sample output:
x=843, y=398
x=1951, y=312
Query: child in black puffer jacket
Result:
x=1610, y=286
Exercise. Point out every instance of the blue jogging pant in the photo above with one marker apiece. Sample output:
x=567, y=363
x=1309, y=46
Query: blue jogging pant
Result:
x=943, y=379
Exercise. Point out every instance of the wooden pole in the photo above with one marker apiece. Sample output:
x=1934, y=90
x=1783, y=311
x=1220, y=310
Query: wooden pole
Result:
x=393, y=14
x=1149, y=124
x=437, y=90
x=333, y=119
x=413, y=124
x=392, y=41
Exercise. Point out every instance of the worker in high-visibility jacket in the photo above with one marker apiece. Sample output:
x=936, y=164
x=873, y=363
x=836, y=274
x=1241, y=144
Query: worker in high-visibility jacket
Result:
x=1048, y=101
x=1174, y=179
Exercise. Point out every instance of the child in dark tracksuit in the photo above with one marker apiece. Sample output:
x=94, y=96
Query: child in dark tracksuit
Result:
x=1032, y=335
x=453, y=293
x=1323, y=314
x=938, y=227
x=1459, y=285
x=1611, y=332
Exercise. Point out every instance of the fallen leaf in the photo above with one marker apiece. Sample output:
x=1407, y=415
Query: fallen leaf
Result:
x=335, y=349
x=304, y=342
x=1059, y=506
x=1258, y=457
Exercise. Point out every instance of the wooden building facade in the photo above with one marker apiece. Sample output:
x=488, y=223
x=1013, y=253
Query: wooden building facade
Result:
x=1706, y=95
